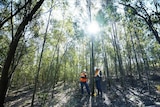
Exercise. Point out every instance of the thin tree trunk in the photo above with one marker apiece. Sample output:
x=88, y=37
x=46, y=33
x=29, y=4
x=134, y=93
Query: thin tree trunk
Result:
x=51, y=66
x=57, y=66
x=107, y=76
x=146, y=64
x=121, y=70
x=64, y=76
x=128, y=64
x=92, y=50
x=39, y=65
x=135, y=55
x=92, y=66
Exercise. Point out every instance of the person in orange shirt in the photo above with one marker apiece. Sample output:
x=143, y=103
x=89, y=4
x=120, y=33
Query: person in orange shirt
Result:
x=83, y=82
x=98, y=79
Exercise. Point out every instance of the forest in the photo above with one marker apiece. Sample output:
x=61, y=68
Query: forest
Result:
x=46, y=44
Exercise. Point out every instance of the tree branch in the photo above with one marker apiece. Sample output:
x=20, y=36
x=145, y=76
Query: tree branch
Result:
x=147, y=20
x=19, y=9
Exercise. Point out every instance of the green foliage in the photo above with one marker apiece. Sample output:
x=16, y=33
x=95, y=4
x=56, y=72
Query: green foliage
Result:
x=42, y=98
x=130, y=11
x=4, y=43
x=101, y=18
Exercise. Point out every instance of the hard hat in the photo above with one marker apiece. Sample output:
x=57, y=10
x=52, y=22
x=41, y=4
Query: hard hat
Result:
x=97, y=68
x=84, y=70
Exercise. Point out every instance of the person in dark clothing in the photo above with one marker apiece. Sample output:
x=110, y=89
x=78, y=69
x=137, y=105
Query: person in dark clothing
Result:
x=98, y=79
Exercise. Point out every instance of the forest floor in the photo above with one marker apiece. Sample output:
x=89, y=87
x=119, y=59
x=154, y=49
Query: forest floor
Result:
x=135, y=95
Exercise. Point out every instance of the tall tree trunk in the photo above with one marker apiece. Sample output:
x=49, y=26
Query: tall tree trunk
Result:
x=107, y=76
x=146, y=65
x=135, y=55
x=56, y=73
x=57, y=67
x=121, y=70
x=39, y=65
x=12, y=48
x=115, y=64
x=130, y=64
x=107, y=69
x=92, y=50
x=115, y=55
x=92, y=66
x=141, y=50
x=145, y=62
x=51, y=66
x=128, y=49
x=64, y=76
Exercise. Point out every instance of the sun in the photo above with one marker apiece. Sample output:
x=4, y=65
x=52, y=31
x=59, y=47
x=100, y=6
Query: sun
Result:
x=93, y=27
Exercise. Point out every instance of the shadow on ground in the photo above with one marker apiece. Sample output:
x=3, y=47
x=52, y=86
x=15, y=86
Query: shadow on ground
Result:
x=116, y=96
x=134, y=95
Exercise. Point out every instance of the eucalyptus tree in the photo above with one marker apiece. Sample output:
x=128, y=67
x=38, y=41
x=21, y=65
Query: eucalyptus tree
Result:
x=133, y=47
x=12, y=48
x=104, y=19
x=60, y=36
x=146, y=10
x=128, y=50
x=112, y=17
x=42, y=52
x=139, y=33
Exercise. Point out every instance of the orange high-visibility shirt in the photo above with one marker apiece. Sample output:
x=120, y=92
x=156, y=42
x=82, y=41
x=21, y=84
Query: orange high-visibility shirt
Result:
x=83, y=77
